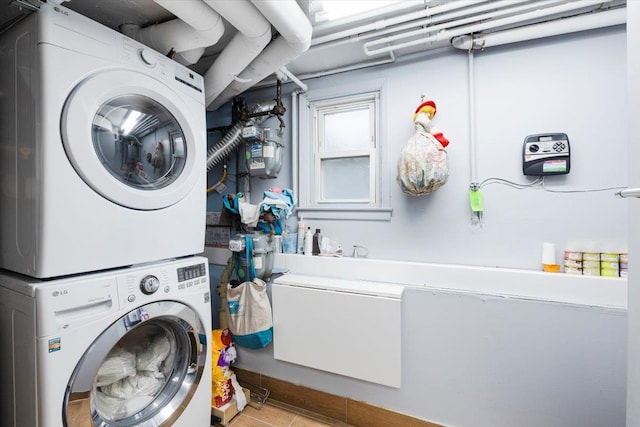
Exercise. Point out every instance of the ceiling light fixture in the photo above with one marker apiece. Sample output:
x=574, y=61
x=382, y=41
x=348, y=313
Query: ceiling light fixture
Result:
x=328, y=10
x=130, y=122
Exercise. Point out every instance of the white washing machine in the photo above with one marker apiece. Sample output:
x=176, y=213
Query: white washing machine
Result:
x=128, y=347
x=102, y=149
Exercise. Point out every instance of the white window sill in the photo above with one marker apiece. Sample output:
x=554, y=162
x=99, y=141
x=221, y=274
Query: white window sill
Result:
x=363, y=214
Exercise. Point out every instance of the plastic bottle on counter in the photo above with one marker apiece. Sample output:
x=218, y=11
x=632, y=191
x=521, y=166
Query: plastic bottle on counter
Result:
x=301, y=230
x=308, y=242
x=317, y=238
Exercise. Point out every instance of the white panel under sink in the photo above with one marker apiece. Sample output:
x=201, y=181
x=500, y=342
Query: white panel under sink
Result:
x=347, y=327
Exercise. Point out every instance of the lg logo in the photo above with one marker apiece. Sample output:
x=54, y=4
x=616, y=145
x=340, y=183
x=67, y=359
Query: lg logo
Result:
x=58, y=293
x=64, y=12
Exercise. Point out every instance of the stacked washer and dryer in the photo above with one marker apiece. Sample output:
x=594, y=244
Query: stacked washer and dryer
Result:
x=105, y=314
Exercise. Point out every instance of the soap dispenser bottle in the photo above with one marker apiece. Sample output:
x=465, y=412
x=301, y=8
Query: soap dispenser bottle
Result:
x=301, y=231
x=308, y=242
x=317, y=239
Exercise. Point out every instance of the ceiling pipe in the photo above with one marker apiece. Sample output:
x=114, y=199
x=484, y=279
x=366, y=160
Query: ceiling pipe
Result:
x=547, y=29
x=290, y=76
x=189, y=57
x=444, y=32
x=389, y=22
x=435, y=19
x=430, y=20
x=295, y=38
x=197, y=26
x=254, y=33
x=446, y=21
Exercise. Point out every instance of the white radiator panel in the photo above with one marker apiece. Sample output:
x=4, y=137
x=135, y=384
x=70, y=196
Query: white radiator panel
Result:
x=347, y=327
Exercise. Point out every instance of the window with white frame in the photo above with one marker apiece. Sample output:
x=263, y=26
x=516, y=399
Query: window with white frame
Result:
x=341, y=170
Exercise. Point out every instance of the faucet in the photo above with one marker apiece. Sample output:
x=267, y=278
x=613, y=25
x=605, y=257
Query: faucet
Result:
x=360, y=251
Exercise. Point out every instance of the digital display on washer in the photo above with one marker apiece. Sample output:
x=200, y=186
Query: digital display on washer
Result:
x=191, y=272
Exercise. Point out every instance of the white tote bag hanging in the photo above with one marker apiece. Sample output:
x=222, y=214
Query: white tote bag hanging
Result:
x=249, y=314
x=249, y=310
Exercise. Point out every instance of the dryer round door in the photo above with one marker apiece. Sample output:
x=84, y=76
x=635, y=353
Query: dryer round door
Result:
x=128, y=137
x=141, y=371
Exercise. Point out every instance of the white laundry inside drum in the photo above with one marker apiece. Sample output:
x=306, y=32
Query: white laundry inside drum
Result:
x=134, y=372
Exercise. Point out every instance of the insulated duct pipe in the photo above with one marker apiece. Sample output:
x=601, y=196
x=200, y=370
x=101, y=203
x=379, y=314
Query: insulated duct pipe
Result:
x=445, y=33
x=563, y=26
x=233, y=137
x=197, y=27
x=295, y=38
x=254, y=33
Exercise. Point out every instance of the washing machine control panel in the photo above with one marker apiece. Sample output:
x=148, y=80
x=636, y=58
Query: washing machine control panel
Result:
x=149, y=284
x=192, y=275
x=141, y=287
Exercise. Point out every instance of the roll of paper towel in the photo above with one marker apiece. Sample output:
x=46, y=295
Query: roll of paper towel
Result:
x=548, y=253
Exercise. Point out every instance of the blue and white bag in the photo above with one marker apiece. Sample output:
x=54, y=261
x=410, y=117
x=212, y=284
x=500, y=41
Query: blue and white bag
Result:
x=249, y=314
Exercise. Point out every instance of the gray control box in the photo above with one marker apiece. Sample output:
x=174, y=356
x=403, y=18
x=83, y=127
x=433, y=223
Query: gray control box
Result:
x=546, y=154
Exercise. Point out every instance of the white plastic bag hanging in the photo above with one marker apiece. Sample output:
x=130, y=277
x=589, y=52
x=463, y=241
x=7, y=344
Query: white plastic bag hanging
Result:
x=423, y=166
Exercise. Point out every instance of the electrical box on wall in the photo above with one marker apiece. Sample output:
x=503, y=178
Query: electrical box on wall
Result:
x=546, y=154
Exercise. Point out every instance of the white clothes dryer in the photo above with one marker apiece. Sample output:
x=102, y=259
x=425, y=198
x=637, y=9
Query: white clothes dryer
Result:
x=102, y=149
x=128, y=347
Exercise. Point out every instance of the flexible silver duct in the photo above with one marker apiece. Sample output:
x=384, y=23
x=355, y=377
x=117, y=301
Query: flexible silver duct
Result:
x=227, y=144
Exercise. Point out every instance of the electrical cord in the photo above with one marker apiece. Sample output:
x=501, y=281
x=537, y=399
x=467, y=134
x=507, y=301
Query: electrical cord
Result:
x=539, y=183
x=580, y=191
x=495, y=180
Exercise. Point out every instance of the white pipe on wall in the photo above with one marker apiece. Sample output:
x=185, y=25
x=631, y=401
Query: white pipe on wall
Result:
x=295, y=141
x=197, y=27
x=295, y=38
x=254, y=33
x=563, y=26
x=293, y=78
x=472, y=120
x=444, y=32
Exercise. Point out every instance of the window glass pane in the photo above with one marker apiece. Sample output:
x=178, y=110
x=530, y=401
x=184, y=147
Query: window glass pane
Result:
x=347, y=130
x=346, y=178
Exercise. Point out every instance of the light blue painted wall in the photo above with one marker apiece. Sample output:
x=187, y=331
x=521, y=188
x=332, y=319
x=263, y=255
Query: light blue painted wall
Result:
x=573, y=84
x=474, y=361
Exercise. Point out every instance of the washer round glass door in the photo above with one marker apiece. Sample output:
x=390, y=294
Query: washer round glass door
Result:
x=141, y=371
x=126, y=134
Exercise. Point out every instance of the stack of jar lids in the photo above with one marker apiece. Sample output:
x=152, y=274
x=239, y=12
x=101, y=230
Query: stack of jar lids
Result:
x=610, y=264
x=591, y=264
x=572, y=262
x=596, y=263
x=624, y=263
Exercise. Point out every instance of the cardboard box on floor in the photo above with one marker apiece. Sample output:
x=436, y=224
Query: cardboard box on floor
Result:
x=229, y=410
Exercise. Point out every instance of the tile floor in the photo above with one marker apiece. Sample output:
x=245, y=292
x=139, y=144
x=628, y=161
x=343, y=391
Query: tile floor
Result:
x=276, y=414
